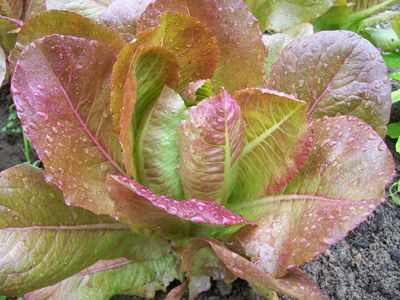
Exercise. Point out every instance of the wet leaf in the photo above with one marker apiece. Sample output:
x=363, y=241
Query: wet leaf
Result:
x=136, y=204
x=158, y=152
x=295, y=284
x=277, y=142
x=210, y=142
x=340, y=184
x=44, y=241
x=242, y=52
x=61, y=92
x=349, y=77
x=123, y=16
x=108, y=278
x=89, y=8
x=187, y=44
x=64, y=23
x=280, y=15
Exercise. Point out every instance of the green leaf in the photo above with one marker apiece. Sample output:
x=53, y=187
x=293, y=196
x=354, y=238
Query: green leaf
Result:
x=239, y=65
x=350, y=77
x=260, y=9
x=271, y=156
x=274, y=43
x=392, y=60
x=396, y=25
x=385, y=39
x=283, y=14
x=61, y=96
x=8, y=32
x=398, y=146
x=44, y=241
x=89, y=8
x=395, y=75
x=210, y=142
x=158, y=152
x=394, y=130
x=151, y=69
x=12, y=8
x=108, y=278
x=396, y=96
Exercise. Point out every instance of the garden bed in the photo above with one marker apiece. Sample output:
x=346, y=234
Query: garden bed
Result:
x=365, y=265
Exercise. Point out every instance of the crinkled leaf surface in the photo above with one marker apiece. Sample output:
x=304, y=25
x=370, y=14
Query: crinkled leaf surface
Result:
x=340, y=184
x=335, y=72
x=89, y=8
x=210, y=142
x=242, y=52
x=8, y=32
x=151, y=69
x=123, y=16
x=280, y=15
x=278, y=140
x=193, y=45
x=61, y=92
x=44, y=241
x=136, y=204
x=158, y=151
x=65, y=23
x=294, y=284
x=108, y=278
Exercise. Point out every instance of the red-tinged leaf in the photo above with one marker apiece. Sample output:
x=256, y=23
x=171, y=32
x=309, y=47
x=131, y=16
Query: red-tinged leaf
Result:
x=336, y=72
x=12, y=8
x=294, y=284
x=340, y=184
x=107, y=278
x=123, y=16
x=210, y=141
x=60, y=89
x=178, y=292
x=65, y=23
x=136, y=204
x=193, y=45
x=151, y=69
x=278, y=140
x=242, y=52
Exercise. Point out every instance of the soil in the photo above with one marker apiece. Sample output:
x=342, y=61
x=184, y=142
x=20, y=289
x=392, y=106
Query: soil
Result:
x=365, y=265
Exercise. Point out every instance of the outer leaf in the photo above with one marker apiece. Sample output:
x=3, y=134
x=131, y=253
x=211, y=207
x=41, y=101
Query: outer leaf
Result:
x=151, y=68
x=8, y=32
x=394, y=130
x=60, y=89
x=12, y=8
x=294, y=284
x=210, y=142
x=239, y=38
x=138, y=205
x=276, y=42
x=123, y=16
x=188, y=44
x=158, y=151
x=65, y=23
x=89, y=8
x=283, y=14
x=340, y=184
x=349, y=77
x=108, y=278
x=277, y=142
x=44, y=241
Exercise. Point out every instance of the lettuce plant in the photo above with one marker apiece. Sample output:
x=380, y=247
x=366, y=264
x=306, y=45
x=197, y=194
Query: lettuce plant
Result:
x=167, y=154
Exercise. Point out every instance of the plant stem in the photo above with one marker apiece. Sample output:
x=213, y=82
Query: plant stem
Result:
x=362, y=14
